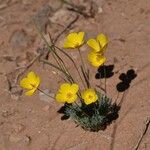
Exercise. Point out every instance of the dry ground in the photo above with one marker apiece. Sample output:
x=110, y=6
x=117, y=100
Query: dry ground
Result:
x=32, y=123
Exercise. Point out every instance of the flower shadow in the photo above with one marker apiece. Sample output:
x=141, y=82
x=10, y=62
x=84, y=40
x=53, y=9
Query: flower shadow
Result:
x=126, y=79
x=104, y=72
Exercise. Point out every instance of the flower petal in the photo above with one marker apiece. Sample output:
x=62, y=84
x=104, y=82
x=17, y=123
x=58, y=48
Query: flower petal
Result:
x=94, y=44
x=68, y=44
x=103, y=40
x=96, y=59
x=24, y=83
x=65, y=87
x=74, y=88
x=72, y=37
x=60, y=97
x=72, y=99
x=30, y=92
x=81, y=37
x=33, y=79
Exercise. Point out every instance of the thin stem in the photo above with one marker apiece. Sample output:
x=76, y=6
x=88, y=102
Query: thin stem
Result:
x=84, y=69
x=56, y=67
x=45, y=93
x=59, y=61
x=82, y=61
x=73, y=64
x=105, y=78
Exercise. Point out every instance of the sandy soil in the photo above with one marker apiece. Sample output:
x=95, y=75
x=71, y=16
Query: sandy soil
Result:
x=32, y=123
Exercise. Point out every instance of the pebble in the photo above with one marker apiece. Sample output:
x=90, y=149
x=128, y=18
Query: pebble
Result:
x=46, y=108
x=18, y=128
x=55, y=5
x=20, y=39
x=25, y=140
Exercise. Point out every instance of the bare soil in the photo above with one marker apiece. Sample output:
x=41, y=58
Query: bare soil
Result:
x=32, y=123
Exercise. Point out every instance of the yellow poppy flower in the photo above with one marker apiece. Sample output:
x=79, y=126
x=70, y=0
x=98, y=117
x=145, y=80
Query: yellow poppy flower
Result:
x=67, y=93
x=99, y=44
x=96, y=59
x=89, y=96
x=31, y=83
x=74, y=40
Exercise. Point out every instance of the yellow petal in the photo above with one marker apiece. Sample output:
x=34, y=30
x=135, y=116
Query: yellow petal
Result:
x=60, y=97
x=65, y=87
x=94, y=44
x=103, y=40
x=24, y=83
x=68, y=44
x=81, y=37
x=33, y=79
x=74, y=88
x=96, y=59
x=30, y=92
x=73, y=38
x=89, y=96
x=72, y=99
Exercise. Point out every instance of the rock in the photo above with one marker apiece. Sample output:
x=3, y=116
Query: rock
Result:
x=2, y=6
x=46, y=98
x=18, y=128
x=7, y=113
x=46, y=108
x=56, y=5
x=41, y=18
x=62, y=13
x=100, y=10
x=14, y=138
x=20, y=39
x=27, y=2
x=24, y=140
x=16, y=92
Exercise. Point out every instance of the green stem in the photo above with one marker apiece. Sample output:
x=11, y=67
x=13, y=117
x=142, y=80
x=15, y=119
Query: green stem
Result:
x=105, y=78
x=85, y=74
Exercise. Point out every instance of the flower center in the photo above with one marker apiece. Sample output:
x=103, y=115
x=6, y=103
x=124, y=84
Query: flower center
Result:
x=90, y=96
x=98, y=57
x=69, y=95
x=33, y=85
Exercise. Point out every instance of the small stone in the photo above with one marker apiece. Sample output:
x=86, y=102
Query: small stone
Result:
x=46, y=108
x=7, y=113
x=2, y=6
x=18, y=128
x=46, y=98
x=20, y=39
x=24, y=140
x=55, y=5
x=62, y=13
x=100, y=10
x=27, y=2
x=16, y=92
x=115, y=60
x=41, y=18
x=14, y=138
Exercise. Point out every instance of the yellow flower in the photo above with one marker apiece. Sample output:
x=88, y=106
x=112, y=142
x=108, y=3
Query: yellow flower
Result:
x=89, y=96
x=74, y=40
x=67, y=93
x=99, y=44
x=31, y=83
x=96, y=59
